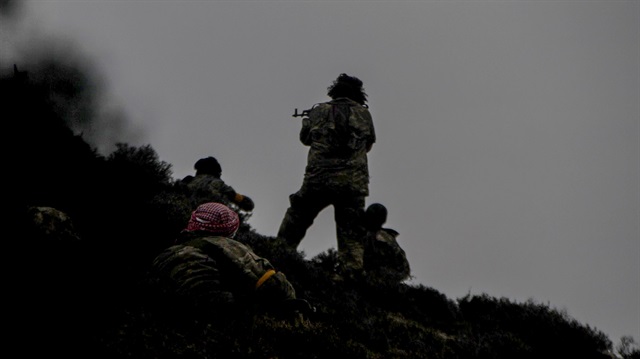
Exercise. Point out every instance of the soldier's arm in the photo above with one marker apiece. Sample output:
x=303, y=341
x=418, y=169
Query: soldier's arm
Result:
x=244, y=202
x=372, y=136
x=305, y=132
x=314, y=113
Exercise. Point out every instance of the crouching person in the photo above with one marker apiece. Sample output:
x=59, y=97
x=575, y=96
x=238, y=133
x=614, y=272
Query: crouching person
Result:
x=384, y=260
x=209, y=274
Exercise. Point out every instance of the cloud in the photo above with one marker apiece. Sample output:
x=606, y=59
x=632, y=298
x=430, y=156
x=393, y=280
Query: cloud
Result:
x=76, y=87
x=8, y=7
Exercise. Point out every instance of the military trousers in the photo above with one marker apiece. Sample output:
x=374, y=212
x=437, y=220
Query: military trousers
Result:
x=306, y=204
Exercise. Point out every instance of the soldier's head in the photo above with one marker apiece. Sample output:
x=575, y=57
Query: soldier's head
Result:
x=208, y=165
x=375, y=216
x=214, y=218
x=349, y=87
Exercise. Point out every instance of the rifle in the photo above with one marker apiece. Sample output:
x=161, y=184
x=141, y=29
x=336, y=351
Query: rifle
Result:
x=302, y=114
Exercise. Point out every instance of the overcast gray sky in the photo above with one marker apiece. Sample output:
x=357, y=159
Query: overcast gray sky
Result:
x=508, y=150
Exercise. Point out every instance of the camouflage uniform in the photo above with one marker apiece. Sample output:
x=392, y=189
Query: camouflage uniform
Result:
x=336, y=174
x=384, y=260
x=205, y=188
x=52, y=224
x=216, y=275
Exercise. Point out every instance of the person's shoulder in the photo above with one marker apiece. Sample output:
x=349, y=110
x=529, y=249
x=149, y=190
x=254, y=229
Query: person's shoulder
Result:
x=360, y=108
x=204, y=179
x=185, y=236
x=387, y=235
x=222, y=240
x=187, y=179
x=346, y=100
x=320, y=106
x=390, y=231
x=195, y=179
x=212, y=244
x=318, y=111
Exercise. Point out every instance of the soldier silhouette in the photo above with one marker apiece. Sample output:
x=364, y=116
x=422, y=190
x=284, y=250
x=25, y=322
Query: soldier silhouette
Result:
x=340, y=133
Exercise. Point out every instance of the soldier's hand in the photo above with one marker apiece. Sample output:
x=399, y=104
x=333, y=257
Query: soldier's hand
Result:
x=246, y=204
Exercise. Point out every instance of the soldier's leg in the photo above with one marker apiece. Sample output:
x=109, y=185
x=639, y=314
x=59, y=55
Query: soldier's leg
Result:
x=300, y=215
x=349, y=214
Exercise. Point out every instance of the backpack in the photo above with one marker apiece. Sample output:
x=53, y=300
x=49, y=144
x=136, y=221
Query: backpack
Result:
x=339, y=115
x=336, y=130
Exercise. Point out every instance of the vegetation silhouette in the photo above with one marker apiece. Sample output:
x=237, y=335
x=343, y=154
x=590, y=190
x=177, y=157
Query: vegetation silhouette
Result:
x=91, y=301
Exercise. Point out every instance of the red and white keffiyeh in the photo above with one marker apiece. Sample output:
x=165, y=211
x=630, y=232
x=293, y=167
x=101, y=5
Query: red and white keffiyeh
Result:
x=215, y=218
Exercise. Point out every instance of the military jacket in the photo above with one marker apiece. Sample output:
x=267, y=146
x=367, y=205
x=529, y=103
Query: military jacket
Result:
x=205, y=188
x=339, y=133
x=211, y=264
x=384, y=258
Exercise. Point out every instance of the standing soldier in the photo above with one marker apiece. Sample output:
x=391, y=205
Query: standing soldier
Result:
x=339, y=133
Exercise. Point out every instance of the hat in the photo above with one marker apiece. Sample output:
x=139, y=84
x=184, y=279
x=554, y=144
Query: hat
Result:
x=208, y=165
x=215, y=218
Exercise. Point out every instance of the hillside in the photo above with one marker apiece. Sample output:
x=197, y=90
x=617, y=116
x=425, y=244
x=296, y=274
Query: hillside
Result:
x=87, y=298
